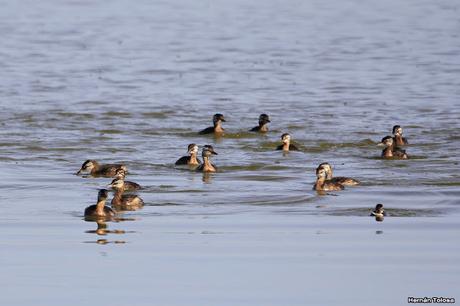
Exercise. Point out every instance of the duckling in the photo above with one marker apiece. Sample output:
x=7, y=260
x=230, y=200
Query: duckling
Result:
x=99, y=211
x=263, y=122
x=390, y=150
x=345, y=181
x=124, y=202
x=129, y=186
x=322, y=184
x=94, y=169
x=398, y=138
x=287, y=146
x=189, y=160
x=378, y=211
x=207, y=166
x=217, y=128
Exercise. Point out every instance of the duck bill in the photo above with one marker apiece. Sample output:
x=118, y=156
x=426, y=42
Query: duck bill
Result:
x=223, y=120
x=214, y=152
x=78, y=172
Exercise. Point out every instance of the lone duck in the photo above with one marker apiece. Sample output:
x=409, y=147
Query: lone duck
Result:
x=190, y=160
x=124, y=202
x=322, y=184
x=342, y=180
x=263, y=122
x=378, y=211
x=99, y=211
x=390, y=151
x=217, y=128
x=93, y=168
x=287, y=146
x=398, y=138
x=206, y=153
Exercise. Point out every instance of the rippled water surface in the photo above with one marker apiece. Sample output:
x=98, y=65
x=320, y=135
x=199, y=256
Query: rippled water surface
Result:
x=133, y=82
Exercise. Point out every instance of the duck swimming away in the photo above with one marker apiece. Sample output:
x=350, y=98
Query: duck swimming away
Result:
x=391, y=151
x=342, y=180
x=95, y=169
x=322, y=184
x=217, y=128
x=124, y=202
x=206, y=153
x=398, y=138
x=263, y=122
x=190, y=160
x=287, y=146
x=99, y=211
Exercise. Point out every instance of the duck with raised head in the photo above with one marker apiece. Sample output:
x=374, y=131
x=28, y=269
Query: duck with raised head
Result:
x=391, y=151
x=345, y=181
x=264, y=120
x=206, y=153
x=323, y=184
x=398, y=138
x=190, y=160
x=95, y=169
x=121, y=201
x=378, y=211
x=287, y=145
x=217, y=128
x=99, y=210
x=128, y=185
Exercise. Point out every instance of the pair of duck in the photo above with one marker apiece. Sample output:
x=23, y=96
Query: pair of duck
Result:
x=217, y=128
x=393, y=144
x=326, y=182
x=120, y=201
x=193, y=162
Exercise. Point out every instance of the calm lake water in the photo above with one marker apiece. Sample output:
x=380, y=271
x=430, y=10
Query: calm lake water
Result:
x=133, y=82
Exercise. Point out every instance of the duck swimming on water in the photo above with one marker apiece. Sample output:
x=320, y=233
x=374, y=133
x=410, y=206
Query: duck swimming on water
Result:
x=287, y=146
x=99, y=211
x=217, y=128
x=206, y=153
x=95, y=169
x=128, y=185
x=391, y=151
x=124, y=202
x=263, y=122
x=345, y=181
x=190, y=160
x=378, y=211
x=323, y=184
x=398, y=138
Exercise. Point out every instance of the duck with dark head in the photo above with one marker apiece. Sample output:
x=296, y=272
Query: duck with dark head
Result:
x=99, y=210
x=217, y=128
x=287, y=145
x=398, y=138
x=95, y=169
x=391, y=151
x=323, y=184
x=122, y=202
x=190, y=160
x=345, y=181
x=206, y=153
x=264, y=120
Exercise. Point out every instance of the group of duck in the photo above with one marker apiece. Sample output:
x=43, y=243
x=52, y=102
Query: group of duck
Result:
x=128, y=202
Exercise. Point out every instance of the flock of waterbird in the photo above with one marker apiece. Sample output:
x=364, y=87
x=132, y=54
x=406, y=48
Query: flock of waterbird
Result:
x=129, y=202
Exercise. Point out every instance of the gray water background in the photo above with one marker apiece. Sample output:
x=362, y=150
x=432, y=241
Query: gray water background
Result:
x=133, y=82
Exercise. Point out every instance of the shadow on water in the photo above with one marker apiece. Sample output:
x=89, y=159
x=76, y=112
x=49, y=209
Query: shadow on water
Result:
x=102, y=230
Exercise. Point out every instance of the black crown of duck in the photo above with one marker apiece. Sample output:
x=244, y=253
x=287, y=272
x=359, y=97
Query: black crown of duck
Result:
x=217, y=120
x=95, y=169
x=192, y=159
x=391, y=151
x=345, y=181
x=287, y=145
x=263, y=122
x=398, y=138
x=206, y=153
x=122, y=202
x=323, y=184
x=99, y=211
